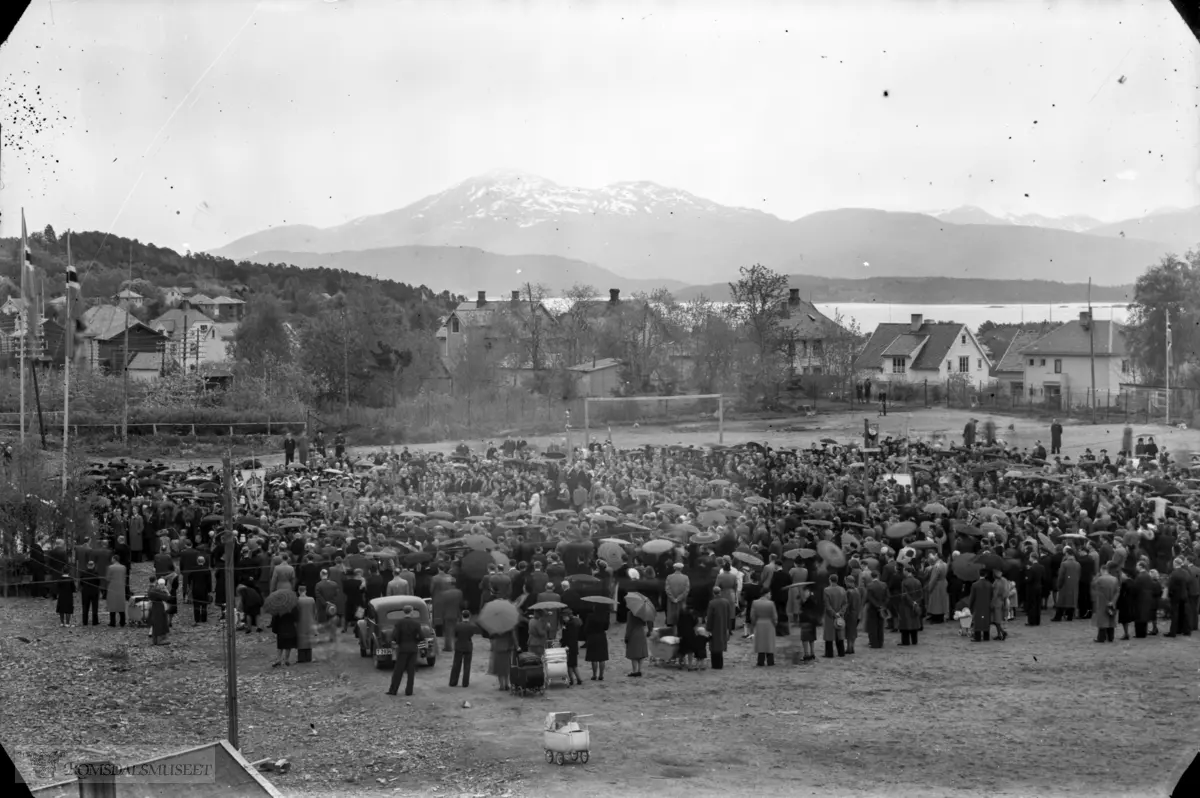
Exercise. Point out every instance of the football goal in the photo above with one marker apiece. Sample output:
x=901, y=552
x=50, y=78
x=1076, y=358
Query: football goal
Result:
x=685, y=413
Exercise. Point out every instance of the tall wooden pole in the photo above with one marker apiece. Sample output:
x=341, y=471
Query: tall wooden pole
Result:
x=68, y=345
x=230, y=616
x=1092, y=347
x=24, y=316
x=1167, y=364
x=125, y=357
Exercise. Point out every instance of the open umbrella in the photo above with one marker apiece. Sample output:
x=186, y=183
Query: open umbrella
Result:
x=818, y=522
x=964, y=528
x=499, y=616
x=900, y=530
x=641, y=607
x=582, y=579
x=720, y=483
x=412, y=514
x=993, y=512
x=756, y=500
x=281, y=602
x=549, y=606
x=921, y=545
x=934, y=508
x=711, y=517
x=416, y=558
x=705, y=538
x=965, y=568
x=658, y=546
x=478, y=519
x=599, y=600
x=747, y=558
x=831, y=554
x=475, y=564
x=821, y=507
x=479, y=542
x=501, y=558
x=441, y=515
x=611, y=553
x=671, y=507
x=989, y=561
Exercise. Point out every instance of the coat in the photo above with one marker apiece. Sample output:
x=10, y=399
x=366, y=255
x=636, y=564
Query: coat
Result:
x=1000, y=589
x=981, y=606
x=1105, y=589
x=718, y=620
x=306, y=621
x=115, y=575
x=854, y=604
x=635, y=639
x=283, y=577
x=764, y=617
x=399, y=587
x=836, y=604
x=328, y=592
x=937, y=594
x=876, y=604
x=1068, y=584
x=910, y=611
x=447, y=605
x=1146, y=591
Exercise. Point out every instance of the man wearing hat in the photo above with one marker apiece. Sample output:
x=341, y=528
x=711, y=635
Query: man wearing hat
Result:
x=719, y=622
x=1177, y=598
x=406, y=639
x=1055, y=437
x=677, y=587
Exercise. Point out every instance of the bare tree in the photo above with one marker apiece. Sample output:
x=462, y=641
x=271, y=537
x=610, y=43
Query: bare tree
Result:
x=711, y=345
x=576, y=324
x=841, y=348
x=758, y=297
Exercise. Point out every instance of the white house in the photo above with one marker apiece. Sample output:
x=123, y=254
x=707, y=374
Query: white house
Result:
x=923, y=350
x=1060, y=363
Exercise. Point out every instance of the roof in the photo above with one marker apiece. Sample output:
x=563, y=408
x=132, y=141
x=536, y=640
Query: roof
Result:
x=469, y=314
x=596, y=365
x=232, y=775
x=226, y=329
x=146, y=361
x=804, y=321
x=1072, y=339
x=1011, y=360
x=200, y=299
x=938, y=336
x=128, y=294
x=104, y=322
x=227, y=300
x=905, y=345
x=176, y=319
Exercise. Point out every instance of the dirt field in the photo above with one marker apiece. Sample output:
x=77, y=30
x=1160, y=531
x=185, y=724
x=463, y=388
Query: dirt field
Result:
x=1046, y=713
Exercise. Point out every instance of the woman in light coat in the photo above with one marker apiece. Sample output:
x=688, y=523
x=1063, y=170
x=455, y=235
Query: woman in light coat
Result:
x=306, y=624
x=115, y=600
x=1000, y=588
x=764, y=618
x=937, y=593
x=1106, y=589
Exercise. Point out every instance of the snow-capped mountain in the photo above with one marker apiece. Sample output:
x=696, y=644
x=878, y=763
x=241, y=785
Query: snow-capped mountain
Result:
x=642, y=230
x=969, y=214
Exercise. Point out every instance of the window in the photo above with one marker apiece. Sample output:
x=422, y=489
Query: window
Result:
x=897, y=365
x=818, y=348
x=962, y=339
x=1031, y=361
x=1058, y=365
x=979, y=363
x=1124, y=366
x=1043, y=362
x=947, y=365
x=454, y=324
x=964, y=364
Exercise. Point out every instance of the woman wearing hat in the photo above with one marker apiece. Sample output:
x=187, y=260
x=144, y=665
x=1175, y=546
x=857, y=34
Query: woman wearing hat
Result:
x=160, y=624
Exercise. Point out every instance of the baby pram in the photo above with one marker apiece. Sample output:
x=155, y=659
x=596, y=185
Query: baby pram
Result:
x=527, y=675
x=664, y=647
x=137, y=610
x=565, y=736
x=555, y=662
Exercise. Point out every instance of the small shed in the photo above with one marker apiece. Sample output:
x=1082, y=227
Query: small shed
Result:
x=598, y=377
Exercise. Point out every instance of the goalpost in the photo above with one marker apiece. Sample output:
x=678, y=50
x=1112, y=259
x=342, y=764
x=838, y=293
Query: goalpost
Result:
x=678, y=398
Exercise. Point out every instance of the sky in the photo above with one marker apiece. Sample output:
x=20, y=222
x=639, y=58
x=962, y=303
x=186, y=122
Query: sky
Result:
x=189, y=123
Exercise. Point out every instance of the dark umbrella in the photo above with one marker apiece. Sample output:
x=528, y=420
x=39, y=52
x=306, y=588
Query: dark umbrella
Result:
x=965, y=568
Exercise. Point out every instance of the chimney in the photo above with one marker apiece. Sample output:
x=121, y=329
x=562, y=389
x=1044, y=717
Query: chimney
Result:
x=793, y=296
x=1085, y=319
x=614, y=295
x=516, y=295
x=481, y=300
x=916, y=322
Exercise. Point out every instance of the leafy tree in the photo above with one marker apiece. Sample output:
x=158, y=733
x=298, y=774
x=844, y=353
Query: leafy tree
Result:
x=1171, y=287
x=841, y=348
x=758, y=297
x=576, y=323
x=713, y=345
x=263, y=333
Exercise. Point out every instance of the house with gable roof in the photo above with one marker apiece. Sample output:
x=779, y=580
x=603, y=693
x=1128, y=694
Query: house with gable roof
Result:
x=923, y=350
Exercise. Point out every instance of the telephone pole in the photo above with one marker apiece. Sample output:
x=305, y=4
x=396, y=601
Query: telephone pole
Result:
x=1167, y=365
x=125, y=411
x=1092, y=347
x=230, y=612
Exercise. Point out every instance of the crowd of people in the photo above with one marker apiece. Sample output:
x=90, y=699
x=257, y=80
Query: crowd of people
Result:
x=677, y=544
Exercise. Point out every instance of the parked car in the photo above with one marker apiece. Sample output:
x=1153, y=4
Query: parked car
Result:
x=375, y=629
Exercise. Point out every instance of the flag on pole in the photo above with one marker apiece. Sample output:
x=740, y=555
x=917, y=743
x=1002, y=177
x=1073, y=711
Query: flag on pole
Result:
x=73, y=327
x=28, y=271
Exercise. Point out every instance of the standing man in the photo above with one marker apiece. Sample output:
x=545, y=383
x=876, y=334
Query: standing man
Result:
x=463, y=649
x=302, y=446
x=319, y=443
x=719, y=621
x=1055, y=437
x=339, y=445
x=289, y=449
x=1035, y=576
x=406, y=638
x=877, y=598
x=678, y=586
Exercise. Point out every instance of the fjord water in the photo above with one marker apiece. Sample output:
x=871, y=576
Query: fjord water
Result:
x=870, y=314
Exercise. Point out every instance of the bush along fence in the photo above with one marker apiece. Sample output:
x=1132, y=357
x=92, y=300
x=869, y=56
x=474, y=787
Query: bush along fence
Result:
x=1131, y=404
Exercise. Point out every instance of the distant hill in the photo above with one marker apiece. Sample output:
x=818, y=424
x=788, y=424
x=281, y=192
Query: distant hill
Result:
x=929, y=290
x=643, y=230
x=1177, y=230
x=466, y=270
x=969, y=214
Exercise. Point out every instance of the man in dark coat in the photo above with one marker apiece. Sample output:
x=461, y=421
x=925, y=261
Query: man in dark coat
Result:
x=1035, y=577
x=877, y=599
x=1087, y=572
x=89, y=592
x=446, y=608
x=199, y=582
x=289, y=449
x=1177, y=597
x=1055, y=437
x=1146, y=591
x=719, y=622
x=406, y=639
x=981, y=609
x=1067, y=596
x=464, y=647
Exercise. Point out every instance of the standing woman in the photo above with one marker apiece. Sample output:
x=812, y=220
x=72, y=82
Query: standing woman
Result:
x=636, y=648
x=686, y=627
x=500, y=660
x=1000, y=588
x=763, y=619
x=539, y=633
x=937, y=592
x=306, y=622
x=1126, y=602
x=909, y=606
x=115, y=600
x=160, y=624
x=65, y=590
x=854, y=603
x=570, y=641
x=353, y=588
x=285, y=626
x=595, y=631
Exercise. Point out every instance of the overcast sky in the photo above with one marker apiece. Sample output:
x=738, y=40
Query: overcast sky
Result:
x=199, y=121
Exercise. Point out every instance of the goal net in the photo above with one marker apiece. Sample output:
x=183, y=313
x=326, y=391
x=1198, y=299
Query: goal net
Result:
x=633, y=421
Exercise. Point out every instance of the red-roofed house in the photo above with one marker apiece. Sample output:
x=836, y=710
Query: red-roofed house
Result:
x=923, y=350
x=1060, y=362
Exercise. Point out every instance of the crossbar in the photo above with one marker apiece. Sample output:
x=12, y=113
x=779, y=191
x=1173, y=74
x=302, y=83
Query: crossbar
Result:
x=587, y=437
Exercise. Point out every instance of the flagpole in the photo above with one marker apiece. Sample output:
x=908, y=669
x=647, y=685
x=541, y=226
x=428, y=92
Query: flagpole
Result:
x=24, y=316
x=1167, y=365
x=68, y=341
